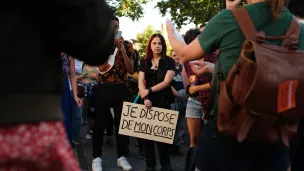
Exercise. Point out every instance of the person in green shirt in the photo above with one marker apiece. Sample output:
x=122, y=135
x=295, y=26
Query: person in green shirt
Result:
x=297, y=149
x=218, y=152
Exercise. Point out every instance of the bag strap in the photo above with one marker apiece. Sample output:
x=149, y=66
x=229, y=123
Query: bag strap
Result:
x=245, y=23
x=82, y=66
x=214, y=90
x=247, y=27
x=294, y=30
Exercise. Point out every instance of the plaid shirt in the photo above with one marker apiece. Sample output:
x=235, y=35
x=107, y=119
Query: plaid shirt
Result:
x=203, y=95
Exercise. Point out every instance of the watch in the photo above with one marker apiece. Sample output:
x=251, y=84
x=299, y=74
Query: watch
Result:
x=150, y=90
x=145, y=98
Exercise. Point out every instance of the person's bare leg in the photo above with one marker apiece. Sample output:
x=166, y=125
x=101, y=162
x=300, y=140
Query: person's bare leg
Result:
x=194, y=128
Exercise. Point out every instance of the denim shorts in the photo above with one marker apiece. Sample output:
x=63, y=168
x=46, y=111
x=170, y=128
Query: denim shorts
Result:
x=194, y=109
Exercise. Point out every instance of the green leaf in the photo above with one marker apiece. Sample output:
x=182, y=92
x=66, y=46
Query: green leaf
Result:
x=128, y=8
x=187, y=11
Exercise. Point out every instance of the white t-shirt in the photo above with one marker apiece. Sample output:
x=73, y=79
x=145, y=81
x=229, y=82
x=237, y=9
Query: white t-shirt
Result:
x=78, y=67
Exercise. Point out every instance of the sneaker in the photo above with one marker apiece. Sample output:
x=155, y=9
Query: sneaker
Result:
x=88, y=136
x=97, y=164
x=123, y=163
x=91, y=131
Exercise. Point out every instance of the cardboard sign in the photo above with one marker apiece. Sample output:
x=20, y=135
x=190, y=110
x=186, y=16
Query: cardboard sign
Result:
x=287, y=95
x=155, y=124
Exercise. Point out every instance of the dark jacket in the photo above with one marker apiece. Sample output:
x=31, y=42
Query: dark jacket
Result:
x=32, y=35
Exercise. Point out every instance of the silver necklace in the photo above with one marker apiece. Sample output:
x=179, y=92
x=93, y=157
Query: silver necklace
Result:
x=155, y=64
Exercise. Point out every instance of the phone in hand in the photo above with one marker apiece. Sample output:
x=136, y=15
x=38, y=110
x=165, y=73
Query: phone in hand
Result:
x=118, y=35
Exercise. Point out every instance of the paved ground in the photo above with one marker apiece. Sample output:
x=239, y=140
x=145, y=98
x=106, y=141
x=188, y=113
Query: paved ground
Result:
x=84, y=155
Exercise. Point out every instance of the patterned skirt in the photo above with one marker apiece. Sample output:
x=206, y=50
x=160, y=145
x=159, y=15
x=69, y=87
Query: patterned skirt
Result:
x=35, y=147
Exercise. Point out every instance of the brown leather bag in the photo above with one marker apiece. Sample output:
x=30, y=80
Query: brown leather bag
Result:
x=260, y=101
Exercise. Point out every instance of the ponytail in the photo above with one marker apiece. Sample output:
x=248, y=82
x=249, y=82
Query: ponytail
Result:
x=276, y=7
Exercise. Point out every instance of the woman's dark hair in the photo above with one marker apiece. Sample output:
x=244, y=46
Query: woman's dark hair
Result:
x=129, y=48
x=149, y=53
x=131, y=52
x=202, y=25
x=191, y=35
x=296, y=7
x=136, y=64
x=137, y=54
x=115, y=18
x=276, y=7
x=171, y=52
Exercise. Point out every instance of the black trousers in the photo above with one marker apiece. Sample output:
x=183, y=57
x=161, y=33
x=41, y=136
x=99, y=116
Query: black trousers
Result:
x=109, y=126
x=297, y=149
x=220, y=153
x=149, y=147
x=149, y=150
x=107, y=96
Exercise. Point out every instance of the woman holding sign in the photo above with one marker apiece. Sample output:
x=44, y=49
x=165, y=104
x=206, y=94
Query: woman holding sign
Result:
x=157, y=70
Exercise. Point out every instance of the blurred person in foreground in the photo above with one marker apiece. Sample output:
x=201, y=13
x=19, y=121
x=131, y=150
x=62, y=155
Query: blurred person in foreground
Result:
x=109, y=84
x=32, y=136
x=217, y=151
x=296, y=7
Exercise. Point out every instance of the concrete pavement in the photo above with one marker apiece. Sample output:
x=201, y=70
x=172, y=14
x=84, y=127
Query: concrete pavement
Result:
x=84, y=156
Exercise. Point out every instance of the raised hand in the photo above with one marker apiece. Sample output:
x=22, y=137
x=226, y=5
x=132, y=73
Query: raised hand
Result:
x=202, y=67
x=232, y=4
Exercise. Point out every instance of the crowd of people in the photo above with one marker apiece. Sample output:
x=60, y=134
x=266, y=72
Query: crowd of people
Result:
x=100, y=74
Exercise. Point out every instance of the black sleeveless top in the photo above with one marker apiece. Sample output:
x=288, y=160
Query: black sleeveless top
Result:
x=165, y=97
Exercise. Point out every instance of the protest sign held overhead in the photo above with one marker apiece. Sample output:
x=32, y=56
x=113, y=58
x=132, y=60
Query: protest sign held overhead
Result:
x=153, y=124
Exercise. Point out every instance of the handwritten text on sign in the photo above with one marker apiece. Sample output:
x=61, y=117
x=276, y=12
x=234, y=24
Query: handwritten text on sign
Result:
x=154, y=124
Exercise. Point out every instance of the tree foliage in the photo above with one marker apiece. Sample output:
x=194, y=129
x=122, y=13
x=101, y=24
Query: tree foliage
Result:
x=187, y=11
x=191, y=11
x=142, y=39
x=128, y=8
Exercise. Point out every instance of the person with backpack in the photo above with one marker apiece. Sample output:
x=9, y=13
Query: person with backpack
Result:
x=297, y=148
x=261, y=56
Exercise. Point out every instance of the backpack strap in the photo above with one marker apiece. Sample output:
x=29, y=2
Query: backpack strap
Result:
x=213, y=90
x=244, y=21
x=293, y=33
x=82, y=66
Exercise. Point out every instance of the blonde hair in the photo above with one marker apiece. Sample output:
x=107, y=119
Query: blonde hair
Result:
x=276, y=7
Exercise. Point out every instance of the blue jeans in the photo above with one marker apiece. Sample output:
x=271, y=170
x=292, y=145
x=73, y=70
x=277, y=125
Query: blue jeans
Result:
x=181, y=121
x=66, y=106
x=76, y=118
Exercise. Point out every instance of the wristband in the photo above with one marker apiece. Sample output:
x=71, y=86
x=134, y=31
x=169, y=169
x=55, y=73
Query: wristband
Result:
x=146, y=98
x=150, y=90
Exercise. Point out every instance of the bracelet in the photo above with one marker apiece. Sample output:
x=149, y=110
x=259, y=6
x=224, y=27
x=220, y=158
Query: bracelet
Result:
x=150, y=90
x=146, y=98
